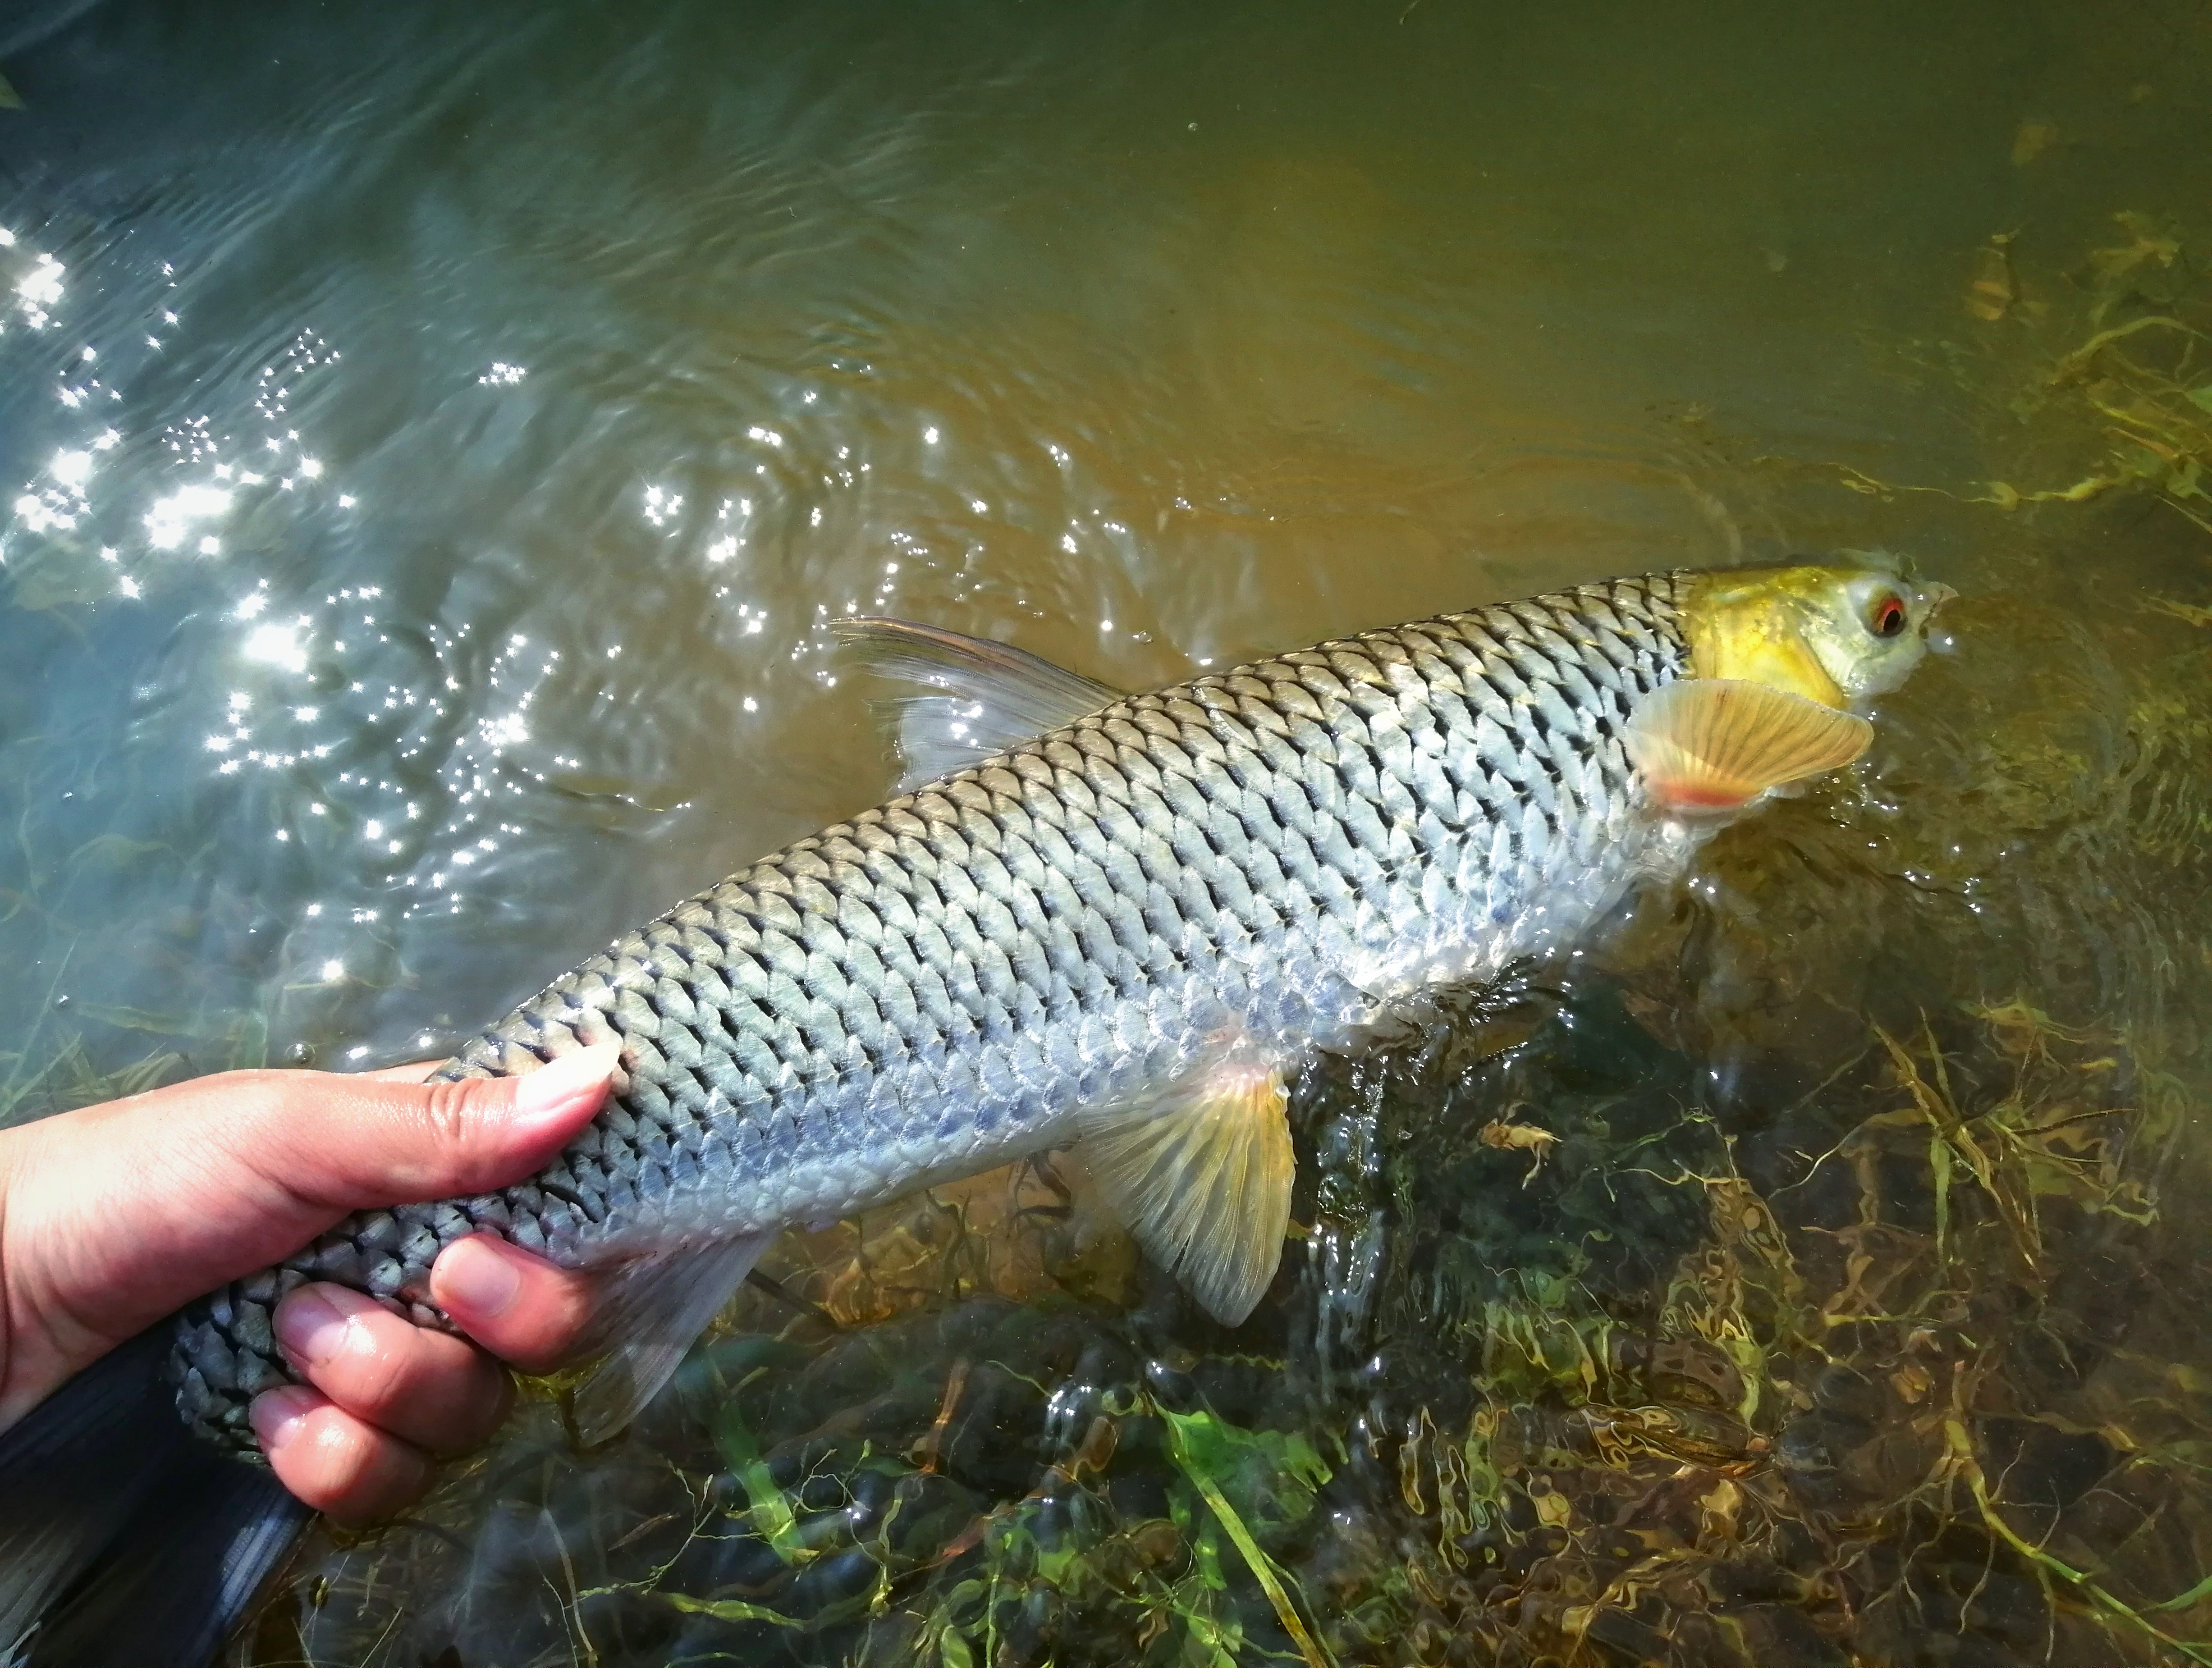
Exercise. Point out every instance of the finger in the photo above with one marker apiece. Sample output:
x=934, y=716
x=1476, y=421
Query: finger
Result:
x=429, y=1388
x=518, y=1306
x=333, y=1461
x=413, y=1072
x=353, y=1142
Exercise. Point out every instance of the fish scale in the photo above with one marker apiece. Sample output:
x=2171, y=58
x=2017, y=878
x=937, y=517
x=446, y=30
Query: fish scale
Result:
x=1271, y=855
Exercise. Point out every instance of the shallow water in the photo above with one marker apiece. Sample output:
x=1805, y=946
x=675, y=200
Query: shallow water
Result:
x=433, y=437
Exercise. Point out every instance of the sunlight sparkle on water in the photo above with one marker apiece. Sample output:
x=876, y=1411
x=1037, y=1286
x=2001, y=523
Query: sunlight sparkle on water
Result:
x=168, y=522
x=661, y=505
x=40, y=288
x=277, y=645
x=37, y=514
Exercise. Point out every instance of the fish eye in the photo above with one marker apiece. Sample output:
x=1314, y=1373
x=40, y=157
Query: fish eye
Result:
x=1886, y=617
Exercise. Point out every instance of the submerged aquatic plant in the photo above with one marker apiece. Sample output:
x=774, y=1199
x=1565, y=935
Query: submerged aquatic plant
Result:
x=2101, y=378
x=1803, y=1394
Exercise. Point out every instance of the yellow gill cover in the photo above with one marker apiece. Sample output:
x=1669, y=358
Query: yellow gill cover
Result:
x=1746, y=627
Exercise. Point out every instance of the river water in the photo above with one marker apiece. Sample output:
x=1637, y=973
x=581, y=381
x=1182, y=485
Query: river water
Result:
x=432, y=438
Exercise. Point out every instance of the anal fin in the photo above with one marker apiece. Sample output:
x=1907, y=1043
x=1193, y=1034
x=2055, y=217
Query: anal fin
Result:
x=1202, y=1176
x=649, y=1313
x=1715, y=744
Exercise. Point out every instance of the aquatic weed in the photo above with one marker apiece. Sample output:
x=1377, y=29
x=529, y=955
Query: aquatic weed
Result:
x=1808, y=1419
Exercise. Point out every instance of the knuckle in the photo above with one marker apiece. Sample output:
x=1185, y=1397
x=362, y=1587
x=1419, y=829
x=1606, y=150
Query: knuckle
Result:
x=449, y=1116
x=419, y=1386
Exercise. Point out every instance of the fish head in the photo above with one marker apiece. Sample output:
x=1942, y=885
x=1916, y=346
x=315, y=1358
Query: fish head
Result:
x=1838, y=631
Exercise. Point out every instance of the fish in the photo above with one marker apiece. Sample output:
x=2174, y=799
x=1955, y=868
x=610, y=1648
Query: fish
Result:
x=1115, y=922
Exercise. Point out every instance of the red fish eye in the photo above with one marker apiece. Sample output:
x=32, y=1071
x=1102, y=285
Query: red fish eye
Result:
x=1887, y=618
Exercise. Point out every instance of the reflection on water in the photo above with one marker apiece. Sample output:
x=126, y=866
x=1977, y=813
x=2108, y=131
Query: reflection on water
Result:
x=430, y=443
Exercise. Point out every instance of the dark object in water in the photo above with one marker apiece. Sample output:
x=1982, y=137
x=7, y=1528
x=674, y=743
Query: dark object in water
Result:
x=153, y=1540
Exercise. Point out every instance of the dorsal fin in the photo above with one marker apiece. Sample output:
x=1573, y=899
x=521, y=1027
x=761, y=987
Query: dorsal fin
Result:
x=987, y=696
x=1707, y=744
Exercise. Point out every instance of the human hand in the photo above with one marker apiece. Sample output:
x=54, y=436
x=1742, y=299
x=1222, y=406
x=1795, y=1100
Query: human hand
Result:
x=113, y=1215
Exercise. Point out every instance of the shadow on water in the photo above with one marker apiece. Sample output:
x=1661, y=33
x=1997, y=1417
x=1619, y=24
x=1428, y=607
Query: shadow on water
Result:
x=433, y=440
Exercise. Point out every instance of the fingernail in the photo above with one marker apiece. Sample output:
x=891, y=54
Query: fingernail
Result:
x=277, y=1416
x=552, y=1092
x=310, y=1327
x=475, y=1282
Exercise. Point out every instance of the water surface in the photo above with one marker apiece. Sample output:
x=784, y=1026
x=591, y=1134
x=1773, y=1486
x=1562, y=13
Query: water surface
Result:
x=433, y=437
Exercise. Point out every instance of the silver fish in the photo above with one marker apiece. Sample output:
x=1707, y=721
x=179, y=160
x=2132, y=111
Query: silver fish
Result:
x=1120, y=922
x=1125, y=931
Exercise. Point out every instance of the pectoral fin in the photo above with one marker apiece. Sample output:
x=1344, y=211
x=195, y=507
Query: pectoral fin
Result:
x=649, y=1313
x=1712, y=745
x=1202, y=1176
x=991, y=695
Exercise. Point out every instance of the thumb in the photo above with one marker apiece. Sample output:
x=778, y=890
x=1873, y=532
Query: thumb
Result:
x=111, y=1215
x=357, y=1143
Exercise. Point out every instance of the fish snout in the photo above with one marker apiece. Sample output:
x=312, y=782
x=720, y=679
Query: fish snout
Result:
x=1930, y=596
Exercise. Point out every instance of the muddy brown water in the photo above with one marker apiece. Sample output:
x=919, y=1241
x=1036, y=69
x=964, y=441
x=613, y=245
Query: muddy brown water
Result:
x=433, y=437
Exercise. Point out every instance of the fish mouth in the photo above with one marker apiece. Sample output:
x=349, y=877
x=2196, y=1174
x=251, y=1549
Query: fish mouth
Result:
x=1933, y=594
